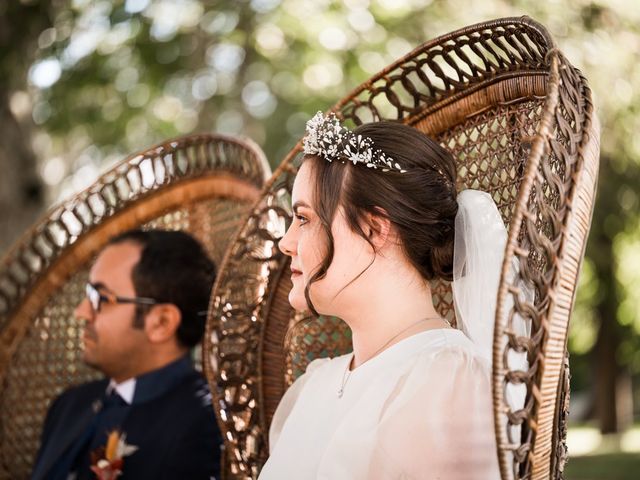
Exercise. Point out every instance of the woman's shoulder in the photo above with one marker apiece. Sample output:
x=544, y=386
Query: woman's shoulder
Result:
x=316, y=364
x=319, y=369
x=443, y=398
x=326, y=364
x=313, y=374
x=438, y=345
x=454, y=352
x=447, y=363
x=316, y=369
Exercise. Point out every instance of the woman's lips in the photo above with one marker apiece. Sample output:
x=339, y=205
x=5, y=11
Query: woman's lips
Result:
x=295, y=273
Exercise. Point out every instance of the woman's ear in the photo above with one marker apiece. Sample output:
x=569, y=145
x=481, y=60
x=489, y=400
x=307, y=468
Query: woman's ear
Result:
x=162, y=322
x=378, y=228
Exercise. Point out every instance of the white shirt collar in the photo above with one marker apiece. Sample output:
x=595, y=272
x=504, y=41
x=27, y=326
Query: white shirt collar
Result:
x=125, y=389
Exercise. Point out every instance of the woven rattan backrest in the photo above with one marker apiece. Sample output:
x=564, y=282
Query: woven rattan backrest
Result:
x=203, y=184
x=519, y=121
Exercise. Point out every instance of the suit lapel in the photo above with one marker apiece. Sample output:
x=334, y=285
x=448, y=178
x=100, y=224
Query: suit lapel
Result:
x=65, y=438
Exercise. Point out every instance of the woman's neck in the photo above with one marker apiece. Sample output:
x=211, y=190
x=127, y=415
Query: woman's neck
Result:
x=386, y=313
x=367, y=344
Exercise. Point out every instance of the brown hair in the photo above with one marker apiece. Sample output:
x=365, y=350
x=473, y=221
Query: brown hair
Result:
x=173, y=268
x=420, y=203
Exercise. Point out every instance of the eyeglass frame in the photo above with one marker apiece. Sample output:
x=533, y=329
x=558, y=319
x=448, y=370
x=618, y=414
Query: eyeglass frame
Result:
x=96, y=297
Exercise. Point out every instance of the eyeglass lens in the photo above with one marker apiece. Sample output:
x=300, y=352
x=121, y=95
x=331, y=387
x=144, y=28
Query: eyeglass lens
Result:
x=94, y=297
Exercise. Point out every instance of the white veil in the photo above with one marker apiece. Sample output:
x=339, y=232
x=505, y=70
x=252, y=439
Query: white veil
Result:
x=479, y=247
x=480, y=240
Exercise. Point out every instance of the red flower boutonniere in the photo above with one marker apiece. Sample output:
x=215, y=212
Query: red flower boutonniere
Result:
x=107, y=462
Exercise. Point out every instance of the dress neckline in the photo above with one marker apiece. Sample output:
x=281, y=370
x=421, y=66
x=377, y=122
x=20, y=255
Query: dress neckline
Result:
x=405, y=347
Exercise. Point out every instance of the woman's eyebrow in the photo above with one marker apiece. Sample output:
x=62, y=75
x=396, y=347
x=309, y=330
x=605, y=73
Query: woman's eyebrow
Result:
x=299, y=204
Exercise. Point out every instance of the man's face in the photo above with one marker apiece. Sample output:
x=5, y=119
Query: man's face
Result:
x=111, y=343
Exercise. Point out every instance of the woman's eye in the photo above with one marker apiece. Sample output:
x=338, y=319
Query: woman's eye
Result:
x=302, y=219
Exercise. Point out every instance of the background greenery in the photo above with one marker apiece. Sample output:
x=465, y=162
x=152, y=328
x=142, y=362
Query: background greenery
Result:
x=85, y=82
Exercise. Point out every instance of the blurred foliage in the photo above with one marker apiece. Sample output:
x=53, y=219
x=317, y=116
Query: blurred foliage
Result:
x=112, y=77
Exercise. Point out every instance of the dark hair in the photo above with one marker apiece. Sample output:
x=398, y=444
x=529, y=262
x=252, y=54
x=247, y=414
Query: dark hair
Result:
x=420, y=203
x=173, y=268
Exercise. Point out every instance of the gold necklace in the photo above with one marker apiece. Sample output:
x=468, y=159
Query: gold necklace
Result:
x=347, y=371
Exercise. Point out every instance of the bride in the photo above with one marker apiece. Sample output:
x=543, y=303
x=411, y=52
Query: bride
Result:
x=375, y=211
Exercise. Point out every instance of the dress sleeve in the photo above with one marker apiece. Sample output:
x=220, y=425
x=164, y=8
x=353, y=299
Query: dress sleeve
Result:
x=438, y=423
x=288, y=401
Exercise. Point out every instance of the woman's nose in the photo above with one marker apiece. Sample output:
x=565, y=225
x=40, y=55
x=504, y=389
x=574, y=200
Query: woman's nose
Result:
x=286, y=243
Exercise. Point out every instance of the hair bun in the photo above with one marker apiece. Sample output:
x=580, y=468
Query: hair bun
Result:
x=442, y=261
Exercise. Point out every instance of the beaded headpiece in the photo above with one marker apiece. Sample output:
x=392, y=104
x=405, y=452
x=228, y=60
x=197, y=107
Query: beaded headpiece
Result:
x=325, y=136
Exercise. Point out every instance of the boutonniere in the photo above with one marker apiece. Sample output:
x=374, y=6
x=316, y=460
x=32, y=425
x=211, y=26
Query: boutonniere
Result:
x=106, y=462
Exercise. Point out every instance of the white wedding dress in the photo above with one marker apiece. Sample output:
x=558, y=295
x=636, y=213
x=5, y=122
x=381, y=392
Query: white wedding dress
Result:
x=419, y=410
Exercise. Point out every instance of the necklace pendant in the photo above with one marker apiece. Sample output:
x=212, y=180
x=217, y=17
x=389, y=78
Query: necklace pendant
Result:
x=340, y=392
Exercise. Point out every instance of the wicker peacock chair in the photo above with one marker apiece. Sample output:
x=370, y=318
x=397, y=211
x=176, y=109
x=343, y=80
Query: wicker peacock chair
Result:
x=520, y=122
x=204, y=184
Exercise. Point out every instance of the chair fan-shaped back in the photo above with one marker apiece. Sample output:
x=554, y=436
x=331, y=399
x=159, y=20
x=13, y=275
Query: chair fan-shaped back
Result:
x=203, y=184
x=519, y=120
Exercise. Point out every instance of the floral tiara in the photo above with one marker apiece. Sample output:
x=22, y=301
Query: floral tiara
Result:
x=325, y=136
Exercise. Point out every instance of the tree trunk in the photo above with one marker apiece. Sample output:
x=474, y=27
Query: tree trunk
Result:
x=21, y=194
x=612, y=395
x=21, y=189
x=606, y=373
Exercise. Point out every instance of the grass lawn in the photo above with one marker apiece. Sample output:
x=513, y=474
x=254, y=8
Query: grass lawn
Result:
x=594, y=457
x=607, y=466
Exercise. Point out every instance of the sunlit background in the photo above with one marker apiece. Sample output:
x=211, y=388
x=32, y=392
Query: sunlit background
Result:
x=84, y=83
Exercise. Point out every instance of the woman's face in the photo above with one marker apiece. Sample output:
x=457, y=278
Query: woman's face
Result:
x=305, y=243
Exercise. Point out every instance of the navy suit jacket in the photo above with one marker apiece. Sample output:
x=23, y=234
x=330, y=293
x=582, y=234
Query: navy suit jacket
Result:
x=170, y=420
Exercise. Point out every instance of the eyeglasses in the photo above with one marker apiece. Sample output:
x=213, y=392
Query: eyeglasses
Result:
x=96, y=298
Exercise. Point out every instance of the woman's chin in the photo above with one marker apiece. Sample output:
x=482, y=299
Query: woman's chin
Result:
x=297, y=301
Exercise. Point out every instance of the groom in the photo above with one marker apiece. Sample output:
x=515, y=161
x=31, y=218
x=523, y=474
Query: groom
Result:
x=145, y=307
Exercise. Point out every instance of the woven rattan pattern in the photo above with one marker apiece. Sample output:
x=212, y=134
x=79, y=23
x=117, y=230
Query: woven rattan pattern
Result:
x=443, y=69
x=48, y=358
x=238, y=313
x=189, y=157
x=491, y=94
x=314, y=338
